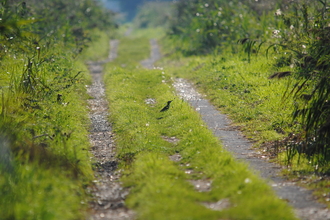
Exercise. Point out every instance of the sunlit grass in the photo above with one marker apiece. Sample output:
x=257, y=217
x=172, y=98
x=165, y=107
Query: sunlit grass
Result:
x=150, y=33
x=159, y=187
x=37, y=192
x=98, y=48
x=46, y=131
x=255, y=103
x=130, y=53
x=244, y=91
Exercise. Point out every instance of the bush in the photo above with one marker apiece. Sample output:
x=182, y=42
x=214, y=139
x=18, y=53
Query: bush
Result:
x=303, y=42
x=201, y=27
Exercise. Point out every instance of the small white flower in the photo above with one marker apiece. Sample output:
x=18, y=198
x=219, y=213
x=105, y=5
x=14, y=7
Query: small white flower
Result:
x=198, y=30
x=278, y=12
x=206, y=5
x=303, y=46
x=276, y=34
x=291, y=27
x=197, y=14
x=247, y=180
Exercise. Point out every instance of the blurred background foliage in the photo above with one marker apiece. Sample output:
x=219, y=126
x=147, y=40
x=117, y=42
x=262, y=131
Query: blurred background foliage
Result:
x=153, y=14
x=70, y=22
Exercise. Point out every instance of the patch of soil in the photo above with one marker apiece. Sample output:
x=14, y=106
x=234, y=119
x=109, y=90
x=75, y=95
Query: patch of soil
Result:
x=218, y=206
x=175, y=157
x=172, y=140
x=154, y=55
x=202, y=185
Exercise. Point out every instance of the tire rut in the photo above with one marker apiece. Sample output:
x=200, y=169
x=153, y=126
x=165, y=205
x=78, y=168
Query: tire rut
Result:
x=300, y=199
x=305, y=205
x=108, y=196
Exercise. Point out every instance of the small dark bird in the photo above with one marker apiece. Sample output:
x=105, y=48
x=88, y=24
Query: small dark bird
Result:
x=166, y=107
x=280, y=75
x=59, y=98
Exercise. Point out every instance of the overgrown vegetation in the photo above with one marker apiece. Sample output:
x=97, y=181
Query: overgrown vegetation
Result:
x=293, y=35
x=44, y=162
x=304, y=40
x=153, y=14
x=159, y=186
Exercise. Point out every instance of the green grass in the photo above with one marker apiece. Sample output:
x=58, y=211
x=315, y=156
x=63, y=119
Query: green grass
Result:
x=130, y=52
x=151, y=33
x=38, y=192
x=256, y=105
x=242, y=90
x=160, y=187
x=46, y=130
x=98, y=48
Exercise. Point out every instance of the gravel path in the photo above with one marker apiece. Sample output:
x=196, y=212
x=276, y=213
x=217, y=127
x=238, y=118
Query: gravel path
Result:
x=154, y=55
x=299, y=198
x=108, y=194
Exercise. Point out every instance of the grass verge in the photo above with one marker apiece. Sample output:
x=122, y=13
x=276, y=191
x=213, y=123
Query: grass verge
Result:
x=159, y=186
x=44, y=163
x=255, y=103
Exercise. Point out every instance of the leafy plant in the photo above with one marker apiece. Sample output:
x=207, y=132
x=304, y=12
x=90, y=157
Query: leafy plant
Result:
x=304, y=41
x=44, y=160
x=201, y=27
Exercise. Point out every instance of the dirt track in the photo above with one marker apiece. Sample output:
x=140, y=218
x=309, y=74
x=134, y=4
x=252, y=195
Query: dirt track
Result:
x=109, y=196
x=299, y=198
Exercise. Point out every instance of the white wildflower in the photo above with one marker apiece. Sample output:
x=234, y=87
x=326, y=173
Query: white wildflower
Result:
x=276, y=34
x=278, y=12
x=247, y=180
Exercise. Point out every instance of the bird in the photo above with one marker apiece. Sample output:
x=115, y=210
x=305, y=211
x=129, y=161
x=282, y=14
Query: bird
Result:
x=280, y=75
x=167, y=106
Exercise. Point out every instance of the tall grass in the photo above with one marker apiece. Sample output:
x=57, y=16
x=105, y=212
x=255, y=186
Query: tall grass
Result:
x=295, y=36
x=45, y=163
x=201, y=27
